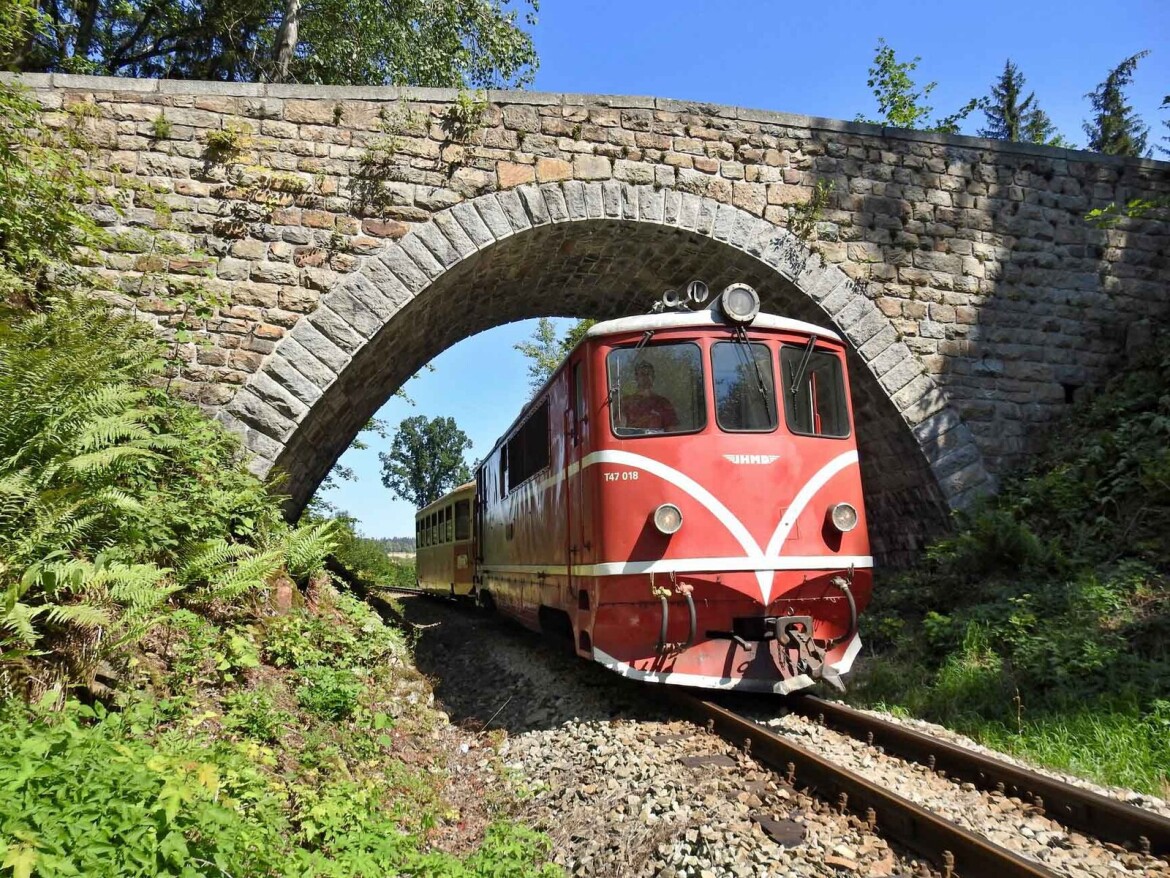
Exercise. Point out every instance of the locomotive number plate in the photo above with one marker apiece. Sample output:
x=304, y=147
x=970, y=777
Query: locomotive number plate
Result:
x=627, y=475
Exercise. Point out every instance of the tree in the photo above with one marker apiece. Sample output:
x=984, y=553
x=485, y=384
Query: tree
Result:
x=1010, y=118
x=1116, y=129
x=546, y=351
x=425, y=460
x=1166, y=122
x=900, y=103
x=439, y=43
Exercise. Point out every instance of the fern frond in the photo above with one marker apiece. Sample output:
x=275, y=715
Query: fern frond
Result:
x=19, y=620
x=306, y=547
x=118, y=428
x=208, y=559
x=105, y=458
x=84, y=616
x=247, y=574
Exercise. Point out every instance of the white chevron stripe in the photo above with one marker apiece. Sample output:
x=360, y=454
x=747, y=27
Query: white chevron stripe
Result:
x=762, y=562
x=801, y=500
x=680, y=480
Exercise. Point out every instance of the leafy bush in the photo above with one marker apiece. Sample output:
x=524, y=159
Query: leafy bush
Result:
x=329, y=693
x=254, y=713
x=43, y=183
x=80, y=796
x=301, y=639
x=1052, y=598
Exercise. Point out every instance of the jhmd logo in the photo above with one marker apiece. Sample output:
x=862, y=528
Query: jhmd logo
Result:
x=758, y=459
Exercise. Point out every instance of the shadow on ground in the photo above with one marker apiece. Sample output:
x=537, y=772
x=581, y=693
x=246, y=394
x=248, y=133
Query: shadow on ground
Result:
x=488, y=672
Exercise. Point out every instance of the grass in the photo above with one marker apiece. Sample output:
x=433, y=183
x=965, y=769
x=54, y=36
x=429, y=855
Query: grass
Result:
x=1112, y=739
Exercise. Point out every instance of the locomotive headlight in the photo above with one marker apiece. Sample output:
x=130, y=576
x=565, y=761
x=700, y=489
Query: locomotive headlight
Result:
x=740, y=303
x=843, y=516
x=668, y=518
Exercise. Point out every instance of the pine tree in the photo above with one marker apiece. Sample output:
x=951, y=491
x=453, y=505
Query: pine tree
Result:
x=1165, y=105
x=1116, y=129
x=1003, y=108
x=1010, y=118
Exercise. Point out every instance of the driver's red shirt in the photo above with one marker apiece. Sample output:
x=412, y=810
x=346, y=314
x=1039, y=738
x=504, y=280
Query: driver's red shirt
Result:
x=648, y=411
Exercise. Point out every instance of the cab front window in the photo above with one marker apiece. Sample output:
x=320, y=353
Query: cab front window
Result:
x=745, y=400
x=656, y=389
x=814, y=392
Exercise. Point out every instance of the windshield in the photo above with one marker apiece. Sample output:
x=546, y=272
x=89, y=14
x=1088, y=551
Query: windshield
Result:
x=656, y=389
x=814, y=392
x=745, y=398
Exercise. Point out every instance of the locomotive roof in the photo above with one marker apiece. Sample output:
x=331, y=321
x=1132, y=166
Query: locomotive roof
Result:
x=702, y=319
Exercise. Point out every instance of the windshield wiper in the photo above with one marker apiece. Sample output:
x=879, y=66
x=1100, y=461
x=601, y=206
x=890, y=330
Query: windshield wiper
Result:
x=739, y=335
x=802, y=367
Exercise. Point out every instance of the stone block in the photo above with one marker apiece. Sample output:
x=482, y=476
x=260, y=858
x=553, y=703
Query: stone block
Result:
x=384, y=228
x=362, y=320
x=638, y=173
x=399, y=263
x=275, y=273
x=422, y=255
x=279, y=370
x=453, y=231
x=534, y=206
x=550, y=170
x=574, y=192
x=298, y=299
x=510, y=175
x=473, y=225
x=336, y=329
x=308, y=365
x=436, y=242
x=309, y=112
x=592, y=167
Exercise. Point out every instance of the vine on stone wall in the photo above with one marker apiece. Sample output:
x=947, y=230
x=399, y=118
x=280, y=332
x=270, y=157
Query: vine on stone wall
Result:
x=803, y=217
x=378, y=163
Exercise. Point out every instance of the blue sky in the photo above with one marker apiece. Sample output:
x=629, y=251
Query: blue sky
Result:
x=796, y=58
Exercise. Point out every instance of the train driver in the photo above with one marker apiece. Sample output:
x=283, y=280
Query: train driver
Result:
x=644, y=409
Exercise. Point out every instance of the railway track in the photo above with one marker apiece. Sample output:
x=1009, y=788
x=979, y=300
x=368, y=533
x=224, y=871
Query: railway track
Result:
x=1075, y=807
x=955, y=851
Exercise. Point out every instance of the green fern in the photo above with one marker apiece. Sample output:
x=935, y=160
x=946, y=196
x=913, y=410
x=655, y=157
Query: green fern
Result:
x=115, y=499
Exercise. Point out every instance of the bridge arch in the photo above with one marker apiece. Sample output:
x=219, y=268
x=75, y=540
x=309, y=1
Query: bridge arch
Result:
x=594, y=249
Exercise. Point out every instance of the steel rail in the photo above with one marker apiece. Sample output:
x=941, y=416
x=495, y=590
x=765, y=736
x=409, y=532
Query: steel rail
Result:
x=1088, y=812
x=955, y=850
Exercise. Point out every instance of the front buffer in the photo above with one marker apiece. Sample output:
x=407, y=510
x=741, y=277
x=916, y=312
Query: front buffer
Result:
x=707, y=630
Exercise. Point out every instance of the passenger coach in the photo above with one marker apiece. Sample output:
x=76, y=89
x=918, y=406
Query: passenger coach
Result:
x=444, y=543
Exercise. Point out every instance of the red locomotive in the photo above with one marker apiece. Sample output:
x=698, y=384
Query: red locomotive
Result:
x=683, y=500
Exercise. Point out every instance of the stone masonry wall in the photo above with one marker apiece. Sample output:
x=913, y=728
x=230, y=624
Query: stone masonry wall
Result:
x=1001, y=300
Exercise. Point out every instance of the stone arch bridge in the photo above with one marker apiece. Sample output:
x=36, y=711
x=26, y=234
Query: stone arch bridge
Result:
x=348, y=235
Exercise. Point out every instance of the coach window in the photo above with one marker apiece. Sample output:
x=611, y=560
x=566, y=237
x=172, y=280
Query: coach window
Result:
x=745, y=398
x=656, y=389
x=434, y=529
x=462, y=519
x=814, y=391
x=449, y=528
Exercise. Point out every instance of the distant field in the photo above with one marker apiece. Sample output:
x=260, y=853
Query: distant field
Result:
x=398, y=555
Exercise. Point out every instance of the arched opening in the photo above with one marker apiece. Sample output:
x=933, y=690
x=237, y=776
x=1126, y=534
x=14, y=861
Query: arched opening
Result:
x=595, y=267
